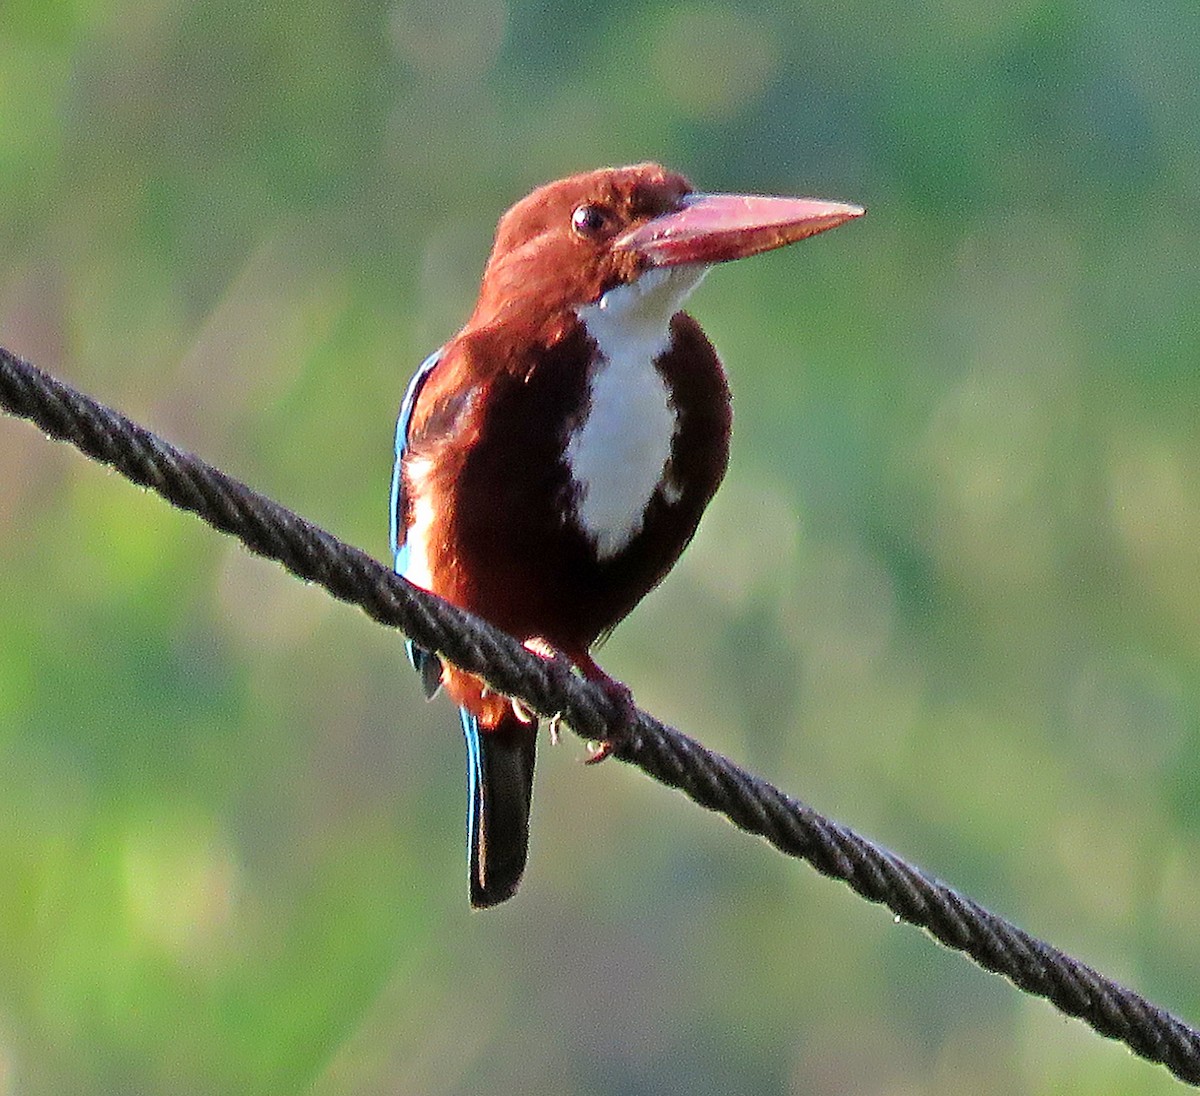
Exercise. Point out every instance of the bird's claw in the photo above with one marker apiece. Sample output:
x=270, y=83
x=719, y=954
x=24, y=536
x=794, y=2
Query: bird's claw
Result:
x=598, y=751
x=621, y=731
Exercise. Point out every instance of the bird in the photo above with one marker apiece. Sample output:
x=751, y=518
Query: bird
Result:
x=554, y=457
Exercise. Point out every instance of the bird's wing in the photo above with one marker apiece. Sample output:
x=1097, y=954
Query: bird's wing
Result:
x=427, y=665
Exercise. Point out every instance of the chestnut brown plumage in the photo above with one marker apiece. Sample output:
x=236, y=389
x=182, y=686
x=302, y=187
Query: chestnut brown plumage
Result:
x=555, y=456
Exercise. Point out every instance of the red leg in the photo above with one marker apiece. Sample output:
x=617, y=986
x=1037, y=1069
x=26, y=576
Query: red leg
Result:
x=622, y=699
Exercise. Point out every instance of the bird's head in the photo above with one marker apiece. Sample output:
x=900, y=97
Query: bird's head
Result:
x=641, y=231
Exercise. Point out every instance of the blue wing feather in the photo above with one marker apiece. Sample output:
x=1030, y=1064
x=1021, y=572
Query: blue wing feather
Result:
x=427, y=665
x=500, y=763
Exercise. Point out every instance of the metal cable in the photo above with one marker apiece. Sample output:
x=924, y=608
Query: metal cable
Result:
x=551, y=688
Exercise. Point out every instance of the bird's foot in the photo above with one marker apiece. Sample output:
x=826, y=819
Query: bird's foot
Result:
x=621, y=731
x=521, y=710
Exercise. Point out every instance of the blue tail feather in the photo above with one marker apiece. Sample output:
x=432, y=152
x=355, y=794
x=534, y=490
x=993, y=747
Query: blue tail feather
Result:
x=500, y=764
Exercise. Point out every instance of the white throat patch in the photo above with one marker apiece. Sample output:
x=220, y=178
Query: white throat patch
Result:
x=617, y=455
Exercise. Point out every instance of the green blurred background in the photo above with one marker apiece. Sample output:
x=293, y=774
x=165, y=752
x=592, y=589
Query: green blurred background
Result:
x=949, y=594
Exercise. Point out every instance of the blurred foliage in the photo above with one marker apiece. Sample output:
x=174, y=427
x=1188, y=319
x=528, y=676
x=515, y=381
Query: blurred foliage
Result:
x=949, y=593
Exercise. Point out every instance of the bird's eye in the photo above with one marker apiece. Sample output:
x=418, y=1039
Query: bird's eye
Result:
x=589, y=220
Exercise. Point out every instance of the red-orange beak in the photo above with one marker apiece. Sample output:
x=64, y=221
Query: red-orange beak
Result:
x=715, y=228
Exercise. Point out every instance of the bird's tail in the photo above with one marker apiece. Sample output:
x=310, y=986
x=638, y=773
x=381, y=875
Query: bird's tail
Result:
x=500, y=764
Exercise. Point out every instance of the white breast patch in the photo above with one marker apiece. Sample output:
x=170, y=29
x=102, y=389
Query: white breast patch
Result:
x=618, y=454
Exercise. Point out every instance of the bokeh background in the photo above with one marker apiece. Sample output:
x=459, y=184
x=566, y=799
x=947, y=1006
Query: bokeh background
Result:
x=949, y=594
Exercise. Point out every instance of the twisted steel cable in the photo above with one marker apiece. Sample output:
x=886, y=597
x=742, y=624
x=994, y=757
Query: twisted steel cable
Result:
x=549, y=687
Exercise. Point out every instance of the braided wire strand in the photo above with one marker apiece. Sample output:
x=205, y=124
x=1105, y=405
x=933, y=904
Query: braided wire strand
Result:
x=549, y=687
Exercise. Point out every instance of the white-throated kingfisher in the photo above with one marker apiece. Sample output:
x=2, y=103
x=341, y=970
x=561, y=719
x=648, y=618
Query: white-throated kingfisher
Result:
x=553, y=458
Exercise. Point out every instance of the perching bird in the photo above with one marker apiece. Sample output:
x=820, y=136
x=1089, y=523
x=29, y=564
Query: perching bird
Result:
x=554, y=457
